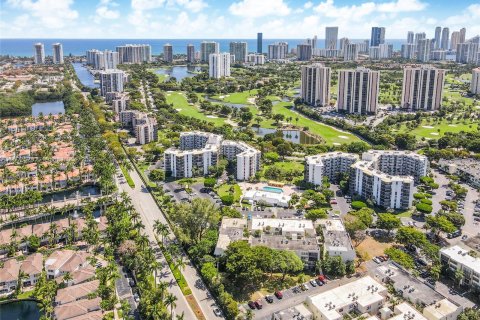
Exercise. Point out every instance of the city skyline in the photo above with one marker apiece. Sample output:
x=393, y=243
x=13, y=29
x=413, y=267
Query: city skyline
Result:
x=178, y=19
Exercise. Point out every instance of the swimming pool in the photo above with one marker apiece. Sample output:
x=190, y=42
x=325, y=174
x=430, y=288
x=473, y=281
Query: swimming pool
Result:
x=272, y=189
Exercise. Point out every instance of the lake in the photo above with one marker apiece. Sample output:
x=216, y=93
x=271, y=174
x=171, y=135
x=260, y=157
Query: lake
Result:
x=86, y=78
x=53, y=107
x=179, y=72
x=20, y=310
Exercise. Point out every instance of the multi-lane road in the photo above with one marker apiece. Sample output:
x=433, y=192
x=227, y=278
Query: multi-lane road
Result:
x=144, y=203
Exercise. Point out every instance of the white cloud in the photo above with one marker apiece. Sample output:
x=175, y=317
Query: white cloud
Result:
x=192, y=5
x=105, y=11
x=256, y=9
x=402, y=6
x=48, y=13
x=308, y=5
x=140, y=5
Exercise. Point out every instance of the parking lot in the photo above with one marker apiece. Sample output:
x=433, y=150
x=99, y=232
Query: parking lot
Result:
x=291, y=299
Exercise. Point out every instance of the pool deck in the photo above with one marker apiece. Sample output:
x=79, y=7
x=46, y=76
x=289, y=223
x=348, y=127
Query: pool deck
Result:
x=287, y=189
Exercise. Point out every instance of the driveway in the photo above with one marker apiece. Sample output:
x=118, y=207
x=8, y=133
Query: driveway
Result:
x=124, y=291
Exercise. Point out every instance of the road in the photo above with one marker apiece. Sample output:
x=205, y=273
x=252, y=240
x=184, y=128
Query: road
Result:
x=149, y=211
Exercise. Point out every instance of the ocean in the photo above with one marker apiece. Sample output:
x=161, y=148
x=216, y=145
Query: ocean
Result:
x=78, y=47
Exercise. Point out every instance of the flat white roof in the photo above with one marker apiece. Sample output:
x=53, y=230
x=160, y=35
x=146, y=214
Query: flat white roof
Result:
x=404, y=309
x=441, y=309
x=332, y=224
x=287, y=225
x=461, y=255
x=364, y=291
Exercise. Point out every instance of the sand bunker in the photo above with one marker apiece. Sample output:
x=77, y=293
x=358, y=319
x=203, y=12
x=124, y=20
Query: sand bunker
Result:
x=343, y=137
x=336, y=144
x=434, y=133
x=452, y=125
x=212, y=117
x=427, y=127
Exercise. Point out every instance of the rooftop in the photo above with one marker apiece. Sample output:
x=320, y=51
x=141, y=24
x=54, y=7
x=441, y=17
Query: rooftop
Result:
x=441, y=309
x=461, y=255
x=364, y=291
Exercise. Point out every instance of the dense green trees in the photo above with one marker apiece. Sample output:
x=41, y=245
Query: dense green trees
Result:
x=388, y=221
x=246, y=265
x=14, y=105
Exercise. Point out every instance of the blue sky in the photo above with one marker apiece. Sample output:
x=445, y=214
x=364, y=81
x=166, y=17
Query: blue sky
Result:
x=231, y=18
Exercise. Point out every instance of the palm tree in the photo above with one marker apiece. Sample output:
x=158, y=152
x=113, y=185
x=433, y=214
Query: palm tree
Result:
x=161, y=229
x=67, y=278
x=170, y=301
x=21, y=276
x=180, y=316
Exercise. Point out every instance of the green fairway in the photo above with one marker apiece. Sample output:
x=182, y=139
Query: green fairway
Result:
x=181, y=104
x=430, y=130
x=161, y=77
x=237, y=97
x=330, y=134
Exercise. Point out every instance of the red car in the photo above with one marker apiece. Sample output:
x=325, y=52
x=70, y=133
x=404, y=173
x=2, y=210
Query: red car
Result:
x=258, y=304
x=322, y=278
x=279, y=294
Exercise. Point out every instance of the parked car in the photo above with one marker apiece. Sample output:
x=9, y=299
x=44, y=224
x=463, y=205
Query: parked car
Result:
x=251, y=304
x=217, y=312
x=376, y=260
x=319, y=283
x=322, y=278
x=258, y=304
x=269, y=299
x=278, y=294
x=304, y=287
x=313, y=283
x=136, y=297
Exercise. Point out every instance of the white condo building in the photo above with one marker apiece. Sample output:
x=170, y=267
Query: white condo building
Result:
x=350, y=52
x=39, y=53
x=277, y=51
x=256, y=59
x=197, y=152
x=358, y=91
x=247, y=158
x=219, y=65
x=423, y=50
x=111, y=81
x=336, y=241
x=134, y=53
x=207, y=48
x=328, y=165
x=475, y=83
x=331, y=38
x=467, y=52
x=315, y=86
x=304, y=52
x=200, y=150
x=191, y=53
x=102, y=60
x=388, y=177
x=168, y=53
x=365, y=295
x=57, y=53
x=239, y=51
x=422, y=88
x=458, y=258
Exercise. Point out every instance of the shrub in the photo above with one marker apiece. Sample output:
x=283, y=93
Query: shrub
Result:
x=357, y=205
x=427, y=201
x=419, y=196
x=227, y=199
x=423, y=207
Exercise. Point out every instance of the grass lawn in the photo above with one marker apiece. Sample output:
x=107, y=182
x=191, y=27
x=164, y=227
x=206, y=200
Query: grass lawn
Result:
x=161, y=77
x=330, y=134
x=430, y=130
x=237, y=97
x=225, y=190
x=180, y=103
x=127, y=176
x=291, y=171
